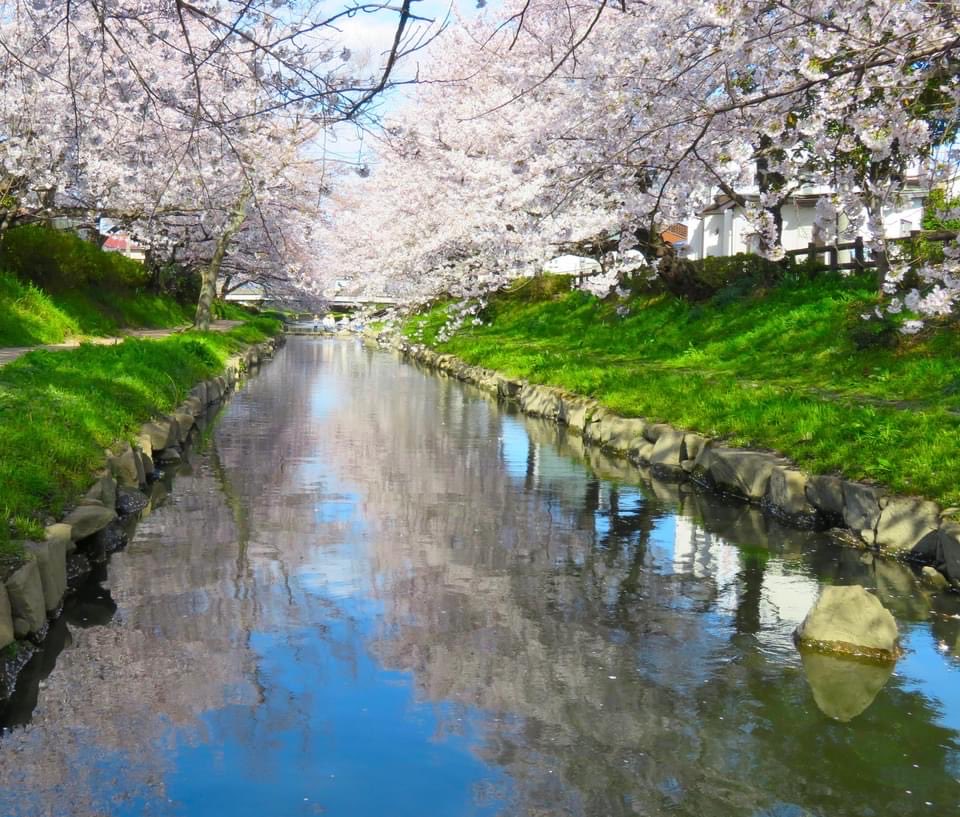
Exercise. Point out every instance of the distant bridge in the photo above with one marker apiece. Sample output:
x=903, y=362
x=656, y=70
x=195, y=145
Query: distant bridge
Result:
x=365, y=300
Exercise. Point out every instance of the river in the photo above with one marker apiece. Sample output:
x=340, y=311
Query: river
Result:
x=374, y=591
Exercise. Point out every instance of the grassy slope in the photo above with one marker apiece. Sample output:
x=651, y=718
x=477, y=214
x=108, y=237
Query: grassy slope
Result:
x=59, y=410
x=776, y=369
x=30, y=316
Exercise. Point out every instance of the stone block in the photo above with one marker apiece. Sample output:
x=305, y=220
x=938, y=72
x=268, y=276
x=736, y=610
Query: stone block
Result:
x=60, y=531
x=145, y=443
x=160, y=432
x=199, y=392
x=904, y=522
x=508, y=388
x=7, y=634
x=669, y=450
x=694, y=444
x=27, y=603
x=170, y=456
x=620, y=434
x=737, y=470
x=193, y=406
x=105, y=491
x=576, y=413
x=125, y=468
x=51, y=559
x=850, y=621
x=950, y=546
x=643, y=452
x=934, y=578
x=184, y=421
x=540, y=401
x=861, y=509
x=85, y=521
x=941, y=548
x=825, y=493
x=489, y=384
x=787, y=492
x=653, y=431
x=213, y=391
x=146, y=460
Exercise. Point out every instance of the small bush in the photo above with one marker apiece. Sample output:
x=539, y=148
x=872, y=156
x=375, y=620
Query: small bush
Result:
x=704, y=278
x=58, y=261
x=539, y=288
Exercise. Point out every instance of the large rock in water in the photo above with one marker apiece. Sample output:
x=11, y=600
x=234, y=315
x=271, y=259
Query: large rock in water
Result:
x=850, y=621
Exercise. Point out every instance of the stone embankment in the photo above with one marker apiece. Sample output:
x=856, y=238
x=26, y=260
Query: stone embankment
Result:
x=33, y=594
x=856, y=513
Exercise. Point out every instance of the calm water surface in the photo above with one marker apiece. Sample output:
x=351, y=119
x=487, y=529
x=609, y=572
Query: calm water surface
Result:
x=376, y=592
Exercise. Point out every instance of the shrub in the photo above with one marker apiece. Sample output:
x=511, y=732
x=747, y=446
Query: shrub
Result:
x=701, y=279
x=57, y=261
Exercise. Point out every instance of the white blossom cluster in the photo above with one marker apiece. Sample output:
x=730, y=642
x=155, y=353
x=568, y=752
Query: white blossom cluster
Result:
x=195, y=126
x=577, y=119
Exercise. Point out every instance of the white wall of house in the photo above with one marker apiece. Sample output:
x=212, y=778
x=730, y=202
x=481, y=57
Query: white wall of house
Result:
x=726, y=231
x=908, y=215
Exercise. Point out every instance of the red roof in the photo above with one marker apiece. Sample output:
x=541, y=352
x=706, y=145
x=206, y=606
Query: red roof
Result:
x=117, y=242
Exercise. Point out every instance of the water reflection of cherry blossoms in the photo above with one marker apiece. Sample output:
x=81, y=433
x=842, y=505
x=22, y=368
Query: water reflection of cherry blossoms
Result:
x=380, y=585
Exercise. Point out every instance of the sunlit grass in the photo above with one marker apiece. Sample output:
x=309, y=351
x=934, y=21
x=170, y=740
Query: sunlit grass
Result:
x=779, y=369
x=29, y=316
x=60, y=410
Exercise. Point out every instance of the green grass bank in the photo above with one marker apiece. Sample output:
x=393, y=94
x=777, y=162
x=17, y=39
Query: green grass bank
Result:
x=55, y=286
x=30, y=316
x=60, y=410
x=788, y=366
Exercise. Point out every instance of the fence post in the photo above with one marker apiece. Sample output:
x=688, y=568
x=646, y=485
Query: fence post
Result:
x=834, y=258
x=811, y=253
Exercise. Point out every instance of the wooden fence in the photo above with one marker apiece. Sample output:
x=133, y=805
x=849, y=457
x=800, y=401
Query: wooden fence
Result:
x=812, y=252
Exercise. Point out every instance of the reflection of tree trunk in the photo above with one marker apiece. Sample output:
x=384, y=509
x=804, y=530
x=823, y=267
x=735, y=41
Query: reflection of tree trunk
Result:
x=747, y=619
x=531, y=477
x=591, y=497
x=238, y=510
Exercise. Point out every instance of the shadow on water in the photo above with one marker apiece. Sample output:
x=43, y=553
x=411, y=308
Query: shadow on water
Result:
x=378, y=592
x=89, y=605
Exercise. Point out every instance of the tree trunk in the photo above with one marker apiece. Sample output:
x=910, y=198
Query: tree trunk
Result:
x=874, y=207
x=210, y=272
x=767, y=182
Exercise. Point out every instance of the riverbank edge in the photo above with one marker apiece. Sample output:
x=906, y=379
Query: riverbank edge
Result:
x=33, y=594
x=857, y=514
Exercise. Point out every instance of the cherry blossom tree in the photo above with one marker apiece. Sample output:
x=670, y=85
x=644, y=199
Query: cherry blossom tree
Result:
x=179, y=119
x=548, y=122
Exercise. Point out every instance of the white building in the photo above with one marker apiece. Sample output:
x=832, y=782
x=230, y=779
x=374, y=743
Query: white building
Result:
x=723, y=228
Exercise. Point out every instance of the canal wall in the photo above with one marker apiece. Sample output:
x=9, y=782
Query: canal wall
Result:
x=33, y=594
x=855, y=513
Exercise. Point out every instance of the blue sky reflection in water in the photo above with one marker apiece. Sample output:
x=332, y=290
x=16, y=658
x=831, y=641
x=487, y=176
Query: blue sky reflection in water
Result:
x=378, y=593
